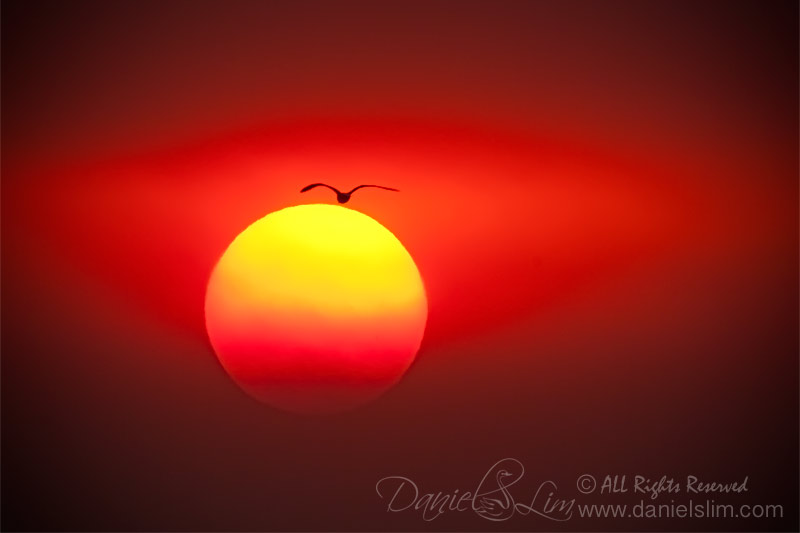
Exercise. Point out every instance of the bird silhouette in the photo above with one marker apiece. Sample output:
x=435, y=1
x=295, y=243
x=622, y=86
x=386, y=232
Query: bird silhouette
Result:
x=344, y=197
x=495, y=508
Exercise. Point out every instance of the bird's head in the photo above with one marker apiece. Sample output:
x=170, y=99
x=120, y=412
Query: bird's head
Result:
x=502, y=474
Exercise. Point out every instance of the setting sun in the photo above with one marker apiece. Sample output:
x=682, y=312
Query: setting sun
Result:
x=315, y=308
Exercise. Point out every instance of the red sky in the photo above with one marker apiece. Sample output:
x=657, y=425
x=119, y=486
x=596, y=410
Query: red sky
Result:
x=600, y=197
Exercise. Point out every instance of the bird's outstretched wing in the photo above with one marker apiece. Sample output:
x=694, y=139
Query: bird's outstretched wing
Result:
x=378, y=186
x=309, y=187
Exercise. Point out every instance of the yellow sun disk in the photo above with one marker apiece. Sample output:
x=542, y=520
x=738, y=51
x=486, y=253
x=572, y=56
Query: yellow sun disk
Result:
x=315, y=289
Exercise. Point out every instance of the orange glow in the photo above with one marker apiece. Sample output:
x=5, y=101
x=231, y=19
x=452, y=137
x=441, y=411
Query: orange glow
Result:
x=315, y=308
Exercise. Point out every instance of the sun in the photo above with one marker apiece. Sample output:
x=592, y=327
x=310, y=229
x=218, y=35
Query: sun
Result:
x=316, y=308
